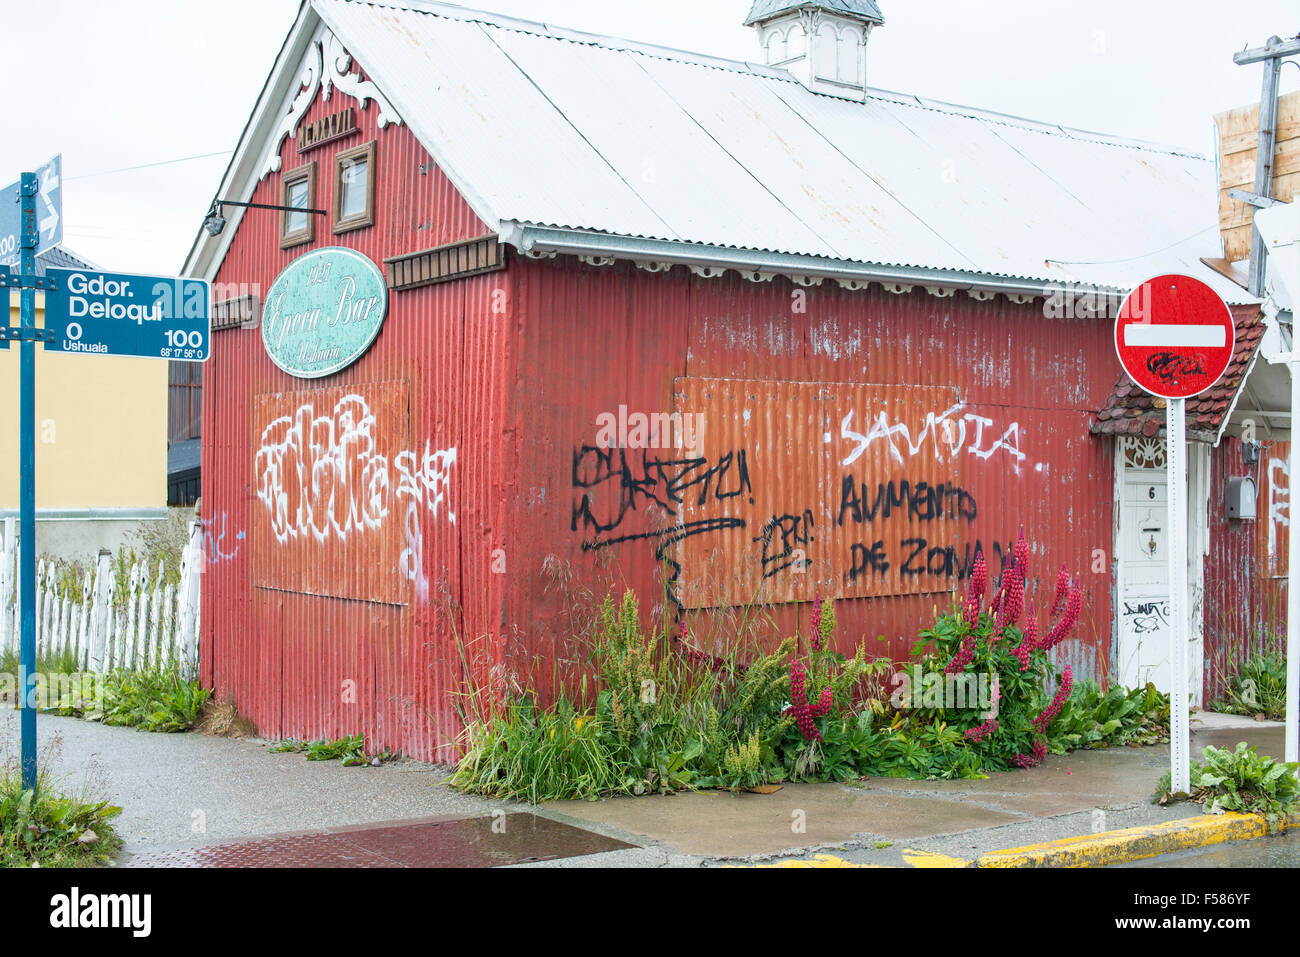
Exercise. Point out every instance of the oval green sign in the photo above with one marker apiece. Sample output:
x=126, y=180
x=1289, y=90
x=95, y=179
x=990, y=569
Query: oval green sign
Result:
x=323, y=312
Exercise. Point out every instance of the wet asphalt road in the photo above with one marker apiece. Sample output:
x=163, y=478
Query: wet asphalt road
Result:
x=1280, y=851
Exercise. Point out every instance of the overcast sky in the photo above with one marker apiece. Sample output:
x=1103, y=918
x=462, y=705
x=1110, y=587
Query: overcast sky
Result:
x=121, y=83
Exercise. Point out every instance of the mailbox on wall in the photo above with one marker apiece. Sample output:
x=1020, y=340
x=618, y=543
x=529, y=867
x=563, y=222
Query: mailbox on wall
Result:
x=1241, y=499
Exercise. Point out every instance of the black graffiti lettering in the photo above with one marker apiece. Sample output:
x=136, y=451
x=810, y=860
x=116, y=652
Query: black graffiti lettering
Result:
x=864, y=560
x=918, y=545
x=849, y=500
x=632, y=478
x=615, y=482
x=790, y=534
x=1171, y=365
x=941, y=560
x=920, y=501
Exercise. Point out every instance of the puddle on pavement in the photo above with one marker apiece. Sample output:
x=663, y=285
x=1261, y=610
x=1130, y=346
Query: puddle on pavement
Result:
x=470, y=842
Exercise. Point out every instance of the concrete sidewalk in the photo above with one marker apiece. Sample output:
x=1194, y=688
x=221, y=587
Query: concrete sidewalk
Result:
x=187, y=790
x=894, y=822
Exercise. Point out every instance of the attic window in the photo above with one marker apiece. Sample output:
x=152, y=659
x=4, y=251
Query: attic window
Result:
x=354, y=188
x=298, y=191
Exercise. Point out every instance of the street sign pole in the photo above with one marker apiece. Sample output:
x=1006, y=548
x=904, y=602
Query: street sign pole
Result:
x=1175, y=338
x=1179, y=719
x=28, y=186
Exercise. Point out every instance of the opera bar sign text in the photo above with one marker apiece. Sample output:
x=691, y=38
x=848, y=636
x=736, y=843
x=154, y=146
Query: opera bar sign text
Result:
x=123, y=314
x=323, y=312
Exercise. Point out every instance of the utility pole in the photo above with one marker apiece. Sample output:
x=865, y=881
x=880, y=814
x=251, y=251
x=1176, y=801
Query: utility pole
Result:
x=1271, y=54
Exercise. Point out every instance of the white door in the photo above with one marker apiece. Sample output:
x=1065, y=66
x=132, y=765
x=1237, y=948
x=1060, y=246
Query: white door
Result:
x=1144, y=579
x=1142, y=546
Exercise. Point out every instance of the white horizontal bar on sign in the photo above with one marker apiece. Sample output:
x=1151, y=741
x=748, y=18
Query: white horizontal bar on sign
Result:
x=1170, y=336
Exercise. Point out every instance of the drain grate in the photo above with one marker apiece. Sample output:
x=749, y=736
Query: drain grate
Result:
x=470, y=842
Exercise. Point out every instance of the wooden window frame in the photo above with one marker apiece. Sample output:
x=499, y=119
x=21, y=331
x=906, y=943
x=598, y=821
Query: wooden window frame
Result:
x=341, y=161
x=292, y=178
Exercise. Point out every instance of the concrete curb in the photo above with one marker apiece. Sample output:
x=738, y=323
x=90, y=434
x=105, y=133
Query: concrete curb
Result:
x=1136, y=843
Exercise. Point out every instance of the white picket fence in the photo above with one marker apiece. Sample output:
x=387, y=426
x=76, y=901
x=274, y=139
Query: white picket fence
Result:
x=155, y=626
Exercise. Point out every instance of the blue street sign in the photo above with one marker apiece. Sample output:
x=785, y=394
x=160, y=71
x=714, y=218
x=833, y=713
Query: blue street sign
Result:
x=121, y=314
x=49, y=213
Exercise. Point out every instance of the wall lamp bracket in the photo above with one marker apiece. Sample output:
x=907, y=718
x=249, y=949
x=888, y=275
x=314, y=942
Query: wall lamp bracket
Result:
x=216, y=221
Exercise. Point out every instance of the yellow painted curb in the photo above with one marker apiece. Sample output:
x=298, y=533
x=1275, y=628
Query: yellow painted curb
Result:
x=932, y=859
x=1135, y=843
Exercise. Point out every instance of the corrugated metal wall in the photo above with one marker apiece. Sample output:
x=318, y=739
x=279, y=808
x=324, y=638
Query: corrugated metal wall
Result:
x=490, y=391
x=329, y=664
x=595, y=339
x=1246, y=571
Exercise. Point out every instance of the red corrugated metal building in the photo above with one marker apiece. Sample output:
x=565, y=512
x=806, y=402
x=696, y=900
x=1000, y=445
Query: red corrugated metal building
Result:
x=859, y=388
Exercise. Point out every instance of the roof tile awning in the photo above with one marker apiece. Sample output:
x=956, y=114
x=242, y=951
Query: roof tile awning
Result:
x=1131, y=411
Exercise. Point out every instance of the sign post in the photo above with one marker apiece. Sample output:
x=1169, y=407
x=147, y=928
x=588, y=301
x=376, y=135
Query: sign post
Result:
x=87, y=312
x=1175, y=338
x=27, y=485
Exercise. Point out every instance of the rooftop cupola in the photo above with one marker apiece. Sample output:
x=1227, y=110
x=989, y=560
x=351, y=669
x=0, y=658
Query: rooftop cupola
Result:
x=823, y=43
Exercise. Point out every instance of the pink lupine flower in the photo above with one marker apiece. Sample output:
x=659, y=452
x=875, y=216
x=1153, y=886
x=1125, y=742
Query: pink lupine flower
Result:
x=1053, y=709
x=1029, y=640
x=1061, y=630
x=1038, y=756
x=1013, y=600
x=1062, y=589
x=980, y=732
x=1021, y=554
x=964, y=656
x=979, y=579
x=804, y=713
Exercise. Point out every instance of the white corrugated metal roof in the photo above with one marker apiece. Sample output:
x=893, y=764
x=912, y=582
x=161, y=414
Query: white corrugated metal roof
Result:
x=553, y=128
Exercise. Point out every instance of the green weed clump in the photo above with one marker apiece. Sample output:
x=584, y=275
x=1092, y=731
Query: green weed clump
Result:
x=1240, y=780
x=351, y=751
x=155, y=699
x=981, y=693
x=1258, y=689
x=46, y=827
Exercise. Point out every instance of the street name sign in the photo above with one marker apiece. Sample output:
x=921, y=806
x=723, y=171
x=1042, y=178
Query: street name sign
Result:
x=122, y=314
x=49, y=213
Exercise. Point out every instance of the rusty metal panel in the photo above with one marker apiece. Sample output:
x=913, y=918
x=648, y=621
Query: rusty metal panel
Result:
x=337, y=483
x=595, y=339
x=833, y=488
x=1245, y=602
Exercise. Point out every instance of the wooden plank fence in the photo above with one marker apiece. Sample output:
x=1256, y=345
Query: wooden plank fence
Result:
x=149, y=624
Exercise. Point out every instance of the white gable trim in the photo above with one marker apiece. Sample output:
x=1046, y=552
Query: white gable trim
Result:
x=313, y=60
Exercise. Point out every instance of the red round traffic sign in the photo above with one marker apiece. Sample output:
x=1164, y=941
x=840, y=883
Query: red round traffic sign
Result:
x=1174, y=336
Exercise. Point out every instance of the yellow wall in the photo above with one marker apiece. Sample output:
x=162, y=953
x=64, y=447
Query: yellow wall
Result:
x=101, y=429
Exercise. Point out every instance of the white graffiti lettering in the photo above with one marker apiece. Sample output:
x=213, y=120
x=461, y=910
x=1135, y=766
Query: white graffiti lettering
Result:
x=1279, y=500
x=947, y=433
x=324, y=477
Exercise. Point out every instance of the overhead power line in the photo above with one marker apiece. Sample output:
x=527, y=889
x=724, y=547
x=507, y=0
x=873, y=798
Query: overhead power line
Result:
x=128, y=169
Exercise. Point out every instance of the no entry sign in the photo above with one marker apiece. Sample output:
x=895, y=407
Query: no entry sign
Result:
x=1174, y=336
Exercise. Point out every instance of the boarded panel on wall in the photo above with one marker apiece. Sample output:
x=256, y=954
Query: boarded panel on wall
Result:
x=848, y=489
x=332, y=473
